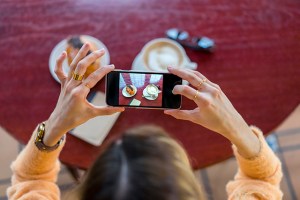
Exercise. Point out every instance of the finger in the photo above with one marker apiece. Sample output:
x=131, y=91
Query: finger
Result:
x=97, y=75
x=203, y=77
x=194, y=77
x=106, y=110
x=87, y=61
x=191, y=77
x=186, y=91
x=58, y=68
x=196, y=73
x=79, y=56
x=179, y=114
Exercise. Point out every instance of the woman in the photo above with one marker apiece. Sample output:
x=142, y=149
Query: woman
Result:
x=144, y=163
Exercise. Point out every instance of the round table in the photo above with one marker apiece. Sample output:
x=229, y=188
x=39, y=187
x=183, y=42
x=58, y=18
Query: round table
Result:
x=256, y=62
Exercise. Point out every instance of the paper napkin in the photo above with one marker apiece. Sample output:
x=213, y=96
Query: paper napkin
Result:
x=135, y=102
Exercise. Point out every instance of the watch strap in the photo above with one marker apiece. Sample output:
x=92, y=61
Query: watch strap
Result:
x=39, y=139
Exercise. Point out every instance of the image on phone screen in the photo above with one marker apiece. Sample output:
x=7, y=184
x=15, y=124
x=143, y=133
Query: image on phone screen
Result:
x=142, y=89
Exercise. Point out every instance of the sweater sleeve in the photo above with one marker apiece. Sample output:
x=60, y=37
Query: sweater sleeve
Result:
x=35, y=174
x=258, y=177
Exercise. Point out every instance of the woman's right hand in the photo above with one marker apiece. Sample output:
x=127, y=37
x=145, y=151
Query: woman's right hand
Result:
x=72, y=108
x=214, y=111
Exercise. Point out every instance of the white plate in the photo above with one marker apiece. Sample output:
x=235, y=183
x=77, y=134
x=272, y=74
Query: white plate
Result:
x=148, y=96
x=62, y=45
x=125, y=93
x=137, y=64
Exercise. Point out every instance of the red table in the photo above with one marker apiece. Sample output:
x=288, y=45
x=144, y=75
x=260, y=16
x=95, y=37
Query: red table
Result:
x=256, y=62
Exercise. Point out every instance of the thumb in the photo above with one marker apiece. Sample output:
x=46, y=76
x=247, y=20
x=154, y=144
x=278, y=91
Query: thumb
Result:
x=106, y=110
x=178, y=114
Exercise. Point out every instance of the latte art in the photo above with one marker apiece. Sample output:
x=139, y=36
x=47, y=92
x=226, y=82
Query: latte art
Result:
x=160, y=53
x=162, y=57
x=152, y=89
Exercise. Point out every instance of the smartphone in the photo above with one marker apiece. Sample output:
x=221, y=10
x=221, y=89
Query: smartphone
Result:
x=142, y=89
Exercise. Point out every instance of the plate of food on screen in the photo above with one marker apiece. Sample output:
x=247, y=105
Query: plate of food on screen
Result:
x=129, y=91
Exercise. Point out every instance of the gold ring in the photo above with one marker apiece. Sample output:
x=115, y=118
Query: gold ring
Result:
x=196, y=95
x=87, y=85
x=77, y=77
x=201, y=82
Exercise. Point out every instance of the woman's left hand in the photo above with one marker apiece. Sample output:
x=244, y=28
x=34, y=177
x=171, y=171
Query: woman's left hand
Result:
x=72, y=108
x=214, y=111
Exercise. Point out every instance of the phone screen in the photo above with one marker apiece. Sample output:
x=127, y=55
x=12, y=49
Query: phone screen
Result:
x=142, y=89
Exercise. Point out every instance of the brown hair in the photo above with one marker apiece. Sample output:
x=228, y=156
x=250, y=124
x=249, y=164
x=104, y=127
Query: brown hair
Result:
x=145, y=163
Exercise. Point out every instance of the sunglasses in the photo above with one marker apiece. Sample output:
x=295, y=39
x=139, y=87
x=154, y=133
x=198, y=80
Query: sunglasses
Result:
x=196, y=43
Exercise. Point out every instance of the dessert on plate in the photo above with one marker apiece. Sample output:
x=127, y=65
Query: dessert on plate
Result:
x=74, y=43
x=130, y=90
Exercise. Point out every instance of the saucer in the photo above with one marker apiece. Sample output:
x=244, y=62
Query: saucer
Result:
x=148, y=96
x=125, y=93
x=62, y=45
x=137, y=64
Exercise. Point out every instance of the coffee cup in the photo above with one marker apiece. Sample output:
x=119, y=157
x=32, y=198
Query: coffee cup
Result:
x=152, y=89
x=160, y=53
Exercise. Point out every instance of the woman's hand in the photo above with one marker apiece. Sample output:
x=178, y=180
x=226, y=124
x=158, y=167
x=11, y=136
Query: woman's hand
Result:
x=72, y=108
x=214, y=111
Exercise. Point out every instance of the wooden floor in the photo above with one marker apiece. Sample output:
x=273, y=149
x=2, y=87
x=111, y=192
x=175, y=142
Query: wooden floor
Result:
x=285, y=141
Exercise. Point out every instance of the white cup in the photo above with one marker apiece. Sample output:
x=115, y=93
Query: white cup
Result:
x=152, y=89
x=160, y=53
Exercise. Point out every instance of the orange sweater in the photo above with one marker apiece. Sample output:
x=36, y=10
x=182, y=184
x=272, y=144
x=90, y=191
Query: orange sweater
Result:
x=35, y=174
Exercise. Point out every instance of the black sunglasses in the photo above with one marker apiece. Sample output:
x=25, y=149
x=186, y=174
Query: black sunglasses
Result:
x=197, y=43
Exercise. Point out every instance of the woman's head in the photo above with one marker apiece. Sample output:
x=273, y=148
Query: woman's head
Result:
x=145, y=163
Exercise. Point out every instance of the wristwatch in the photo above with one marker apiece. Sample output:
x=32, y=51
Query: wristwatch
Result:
x=39, y=140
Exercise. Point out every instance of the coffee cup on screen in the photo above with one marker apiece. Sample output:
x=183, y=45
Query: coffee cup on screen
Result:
x=152, y=89
x=160, y=53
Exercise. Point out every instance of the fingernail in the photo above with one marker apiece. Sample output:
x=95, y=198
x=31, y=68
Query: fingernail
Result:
x=174, y=91
x=121, y=109
x=177, y=89
x=99, y=52
x=85, y=45
x=170, y=67
x=111, y=66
